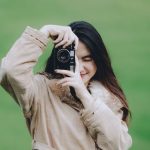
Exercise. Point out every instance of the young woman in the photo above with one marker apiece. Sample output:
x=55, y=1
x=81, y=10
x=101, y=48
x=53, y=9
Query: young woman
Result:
x=95, y=119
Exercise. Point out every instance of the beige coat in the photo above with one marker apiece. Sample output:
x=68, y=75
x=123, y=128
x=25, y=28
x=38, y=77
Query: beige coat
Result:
x=54, y=119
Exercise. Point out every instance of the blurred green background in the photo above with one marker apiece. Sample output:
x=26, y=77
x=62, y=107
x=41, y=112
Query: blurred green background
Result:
x=125, y=28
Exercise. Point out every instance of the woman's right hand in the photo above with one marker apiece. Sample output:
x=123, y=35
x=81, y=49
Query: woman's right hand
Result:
x=60, y=35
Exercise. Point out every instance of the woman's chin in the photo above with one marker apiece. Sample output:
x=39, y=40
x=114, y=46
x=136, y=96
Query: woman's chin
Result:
x=85, y=80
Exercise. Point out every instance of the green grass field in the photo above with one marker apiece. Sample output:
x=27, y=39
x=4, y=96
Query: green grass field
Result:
x=125, y=28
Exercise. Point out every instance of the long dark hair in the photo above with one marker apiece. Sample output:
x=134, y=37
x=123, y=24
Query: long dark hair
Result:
x=105, y=74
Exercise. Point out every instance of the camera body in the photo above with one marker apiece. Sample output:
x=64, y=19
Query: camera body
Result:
x=64, y=58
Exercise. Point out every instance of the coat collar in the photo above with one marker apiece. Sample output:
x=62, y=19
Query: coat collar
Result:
x=98, y=91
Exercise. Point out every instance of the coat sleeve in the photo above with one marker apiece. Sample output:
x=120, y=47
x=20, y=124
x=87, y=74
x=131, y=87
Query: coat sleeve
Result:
x=108, y=129
x=16, y=68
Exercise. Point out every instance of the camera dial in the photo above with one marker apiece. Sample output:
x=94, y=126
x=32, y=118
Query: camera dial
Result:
x=63, y=55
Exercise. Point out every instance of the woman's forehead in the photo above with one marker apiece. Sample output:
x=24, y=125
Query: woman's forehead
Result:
x=82, y=50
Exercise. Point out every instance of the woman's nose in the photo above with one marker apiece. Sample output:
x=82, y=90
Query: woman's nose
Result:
x=81, y=66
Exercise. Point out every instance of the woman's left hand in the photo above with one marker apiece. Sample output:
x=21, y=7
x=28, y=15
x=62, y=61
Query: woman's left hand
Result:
x=73, y=79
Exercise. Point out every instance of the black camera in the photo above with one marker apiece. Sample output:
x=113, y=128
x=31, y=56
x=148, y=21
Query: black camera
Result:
x=64, y=58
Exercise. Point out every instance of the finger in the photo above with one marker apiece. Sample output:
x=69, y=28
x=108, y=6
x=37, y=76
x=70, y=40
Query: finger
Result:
x=65, y=72
x=77, y=64
x=59, y=38
x=64, y=41
x=62, y=81
x=61, y=43
x=68, y=43
x=72, y=39
x=68, y=84
x=76, y=42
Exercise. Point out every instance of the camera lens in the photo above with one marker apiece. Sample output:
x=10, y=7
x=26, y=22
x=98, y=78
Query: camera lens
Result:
x=63, y=55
